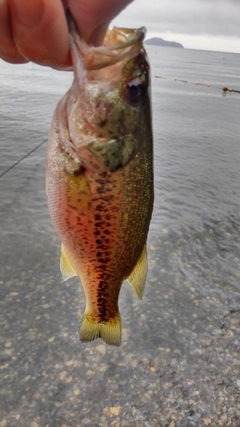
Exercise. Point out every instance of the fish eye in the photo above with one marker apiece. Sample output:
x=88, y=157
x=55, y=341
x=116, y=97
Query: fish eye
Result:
x=134, y=91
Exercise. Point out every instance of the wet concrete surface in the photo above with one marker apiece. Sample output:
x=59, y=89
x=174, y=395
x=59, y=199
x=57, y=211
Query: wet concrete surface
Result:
x=179, y=362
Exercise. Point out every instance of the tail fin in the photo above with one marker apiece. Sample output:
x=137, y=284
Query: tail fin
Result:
x=109, y=331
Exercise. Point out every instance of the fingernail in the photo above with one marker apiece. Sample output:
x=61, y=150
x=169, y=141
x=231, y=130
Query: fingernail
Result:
x=31, y=14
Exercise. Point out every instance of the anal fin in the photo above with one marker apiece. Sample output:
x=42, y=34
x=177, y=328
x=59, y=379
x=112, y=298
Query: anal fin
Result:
x=137, y=277
x=65, y=265
x=109, y=332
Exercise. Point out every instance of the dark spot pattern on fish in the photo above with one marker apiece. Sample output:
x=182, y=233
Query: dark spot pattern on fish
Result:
x=101, y=190
x=102, y=123
x=103, y=213
x=99, y=224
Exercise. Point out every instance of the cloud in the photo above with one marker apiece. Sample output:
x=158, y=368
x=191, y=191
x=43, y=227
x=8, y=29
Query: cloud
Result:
x=213, y=17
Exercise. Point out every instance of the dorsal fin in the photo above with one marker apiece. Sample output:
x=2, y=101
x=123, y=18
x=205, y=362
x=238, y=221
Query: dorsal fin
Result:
x=65, y=265
x=137, y=277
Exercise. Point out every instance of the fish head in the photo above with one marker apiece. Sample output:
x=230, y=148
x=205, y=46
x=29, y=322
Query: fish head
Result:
x=109, y=99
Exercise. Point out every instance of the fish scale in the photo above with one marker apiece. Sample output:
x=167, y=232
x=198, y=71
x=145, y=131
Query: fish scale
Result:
x=100, y=186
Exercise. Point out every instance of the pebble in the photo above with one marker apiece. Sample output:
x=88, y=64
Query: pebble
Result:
x=76, y=392
x=37, y=396
x=167, y=385
x=62, y=375
x=207, y=421
x=115, y=410
x=4, y=366
x=101, y=348
x=8, y=344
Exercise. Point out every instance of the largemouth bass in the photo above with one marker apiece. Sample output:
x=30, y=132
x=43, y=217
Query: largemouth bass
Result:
x=100, y=175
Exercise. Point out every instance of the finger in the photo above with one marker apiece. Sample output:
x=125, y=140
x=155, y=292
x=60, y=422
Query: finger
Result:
x=92, y=17
x=8, y=50
x=40, y=31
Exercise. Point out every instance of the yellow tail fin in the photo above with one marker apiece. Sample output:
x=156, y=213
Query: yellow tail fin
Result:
x=109, y=332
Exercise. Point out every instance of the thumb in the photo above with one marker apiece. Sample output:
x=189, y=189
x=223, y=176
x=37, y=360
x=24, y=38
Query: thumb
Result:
x=93, y=17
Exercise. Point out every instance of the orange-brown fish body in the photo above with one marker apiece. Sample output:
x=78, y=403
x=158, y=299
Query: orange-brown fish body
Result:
x=100, y=182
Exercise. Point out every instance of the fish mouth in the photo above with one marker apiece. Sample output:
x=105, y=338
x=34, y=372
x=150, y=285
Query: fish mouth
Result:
x=119, y=45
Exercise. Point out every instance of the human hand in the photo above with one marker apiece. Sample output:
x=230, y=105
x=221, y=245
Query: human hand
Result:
x=36, y=30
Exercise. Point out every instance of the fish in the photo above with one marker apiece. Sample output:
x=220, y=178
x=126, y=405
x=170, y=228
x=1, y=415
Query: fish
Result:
x=99, y=174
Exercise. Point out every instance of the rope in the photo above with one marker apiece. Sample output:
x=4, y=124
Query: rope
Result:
x=224, y=89
x=24, y=157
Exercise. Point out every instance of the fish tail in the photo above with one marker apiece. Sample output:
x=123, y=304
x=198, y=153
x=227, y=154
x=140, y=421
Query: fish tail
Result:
x=109, y=331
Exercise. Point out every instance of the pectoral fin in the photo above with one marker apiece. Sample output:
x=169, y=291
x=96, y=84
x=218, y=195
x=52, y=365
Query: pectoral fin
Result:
x=137, y=278
x=65, y=265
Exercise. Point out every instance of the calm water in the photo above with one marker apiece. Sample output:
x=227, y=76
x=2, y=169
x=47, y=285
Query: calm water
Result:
x=176, y=346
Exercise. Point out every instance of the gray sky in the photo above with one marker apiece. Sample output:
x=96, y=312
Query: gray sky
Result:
x=197, y=24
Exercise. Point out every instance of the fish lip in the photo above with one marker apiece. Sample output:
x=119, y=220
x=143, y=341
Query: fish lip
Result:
x=102, y=56
x=132, y=36
x=113, y=53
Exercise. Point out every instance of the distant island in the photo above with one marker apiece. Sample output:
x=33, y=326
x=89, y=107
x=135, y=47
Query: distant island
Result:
x=157, y=41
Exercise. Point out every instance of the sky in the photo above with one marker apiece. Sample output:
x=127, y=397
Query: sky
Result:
x=197, y=24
